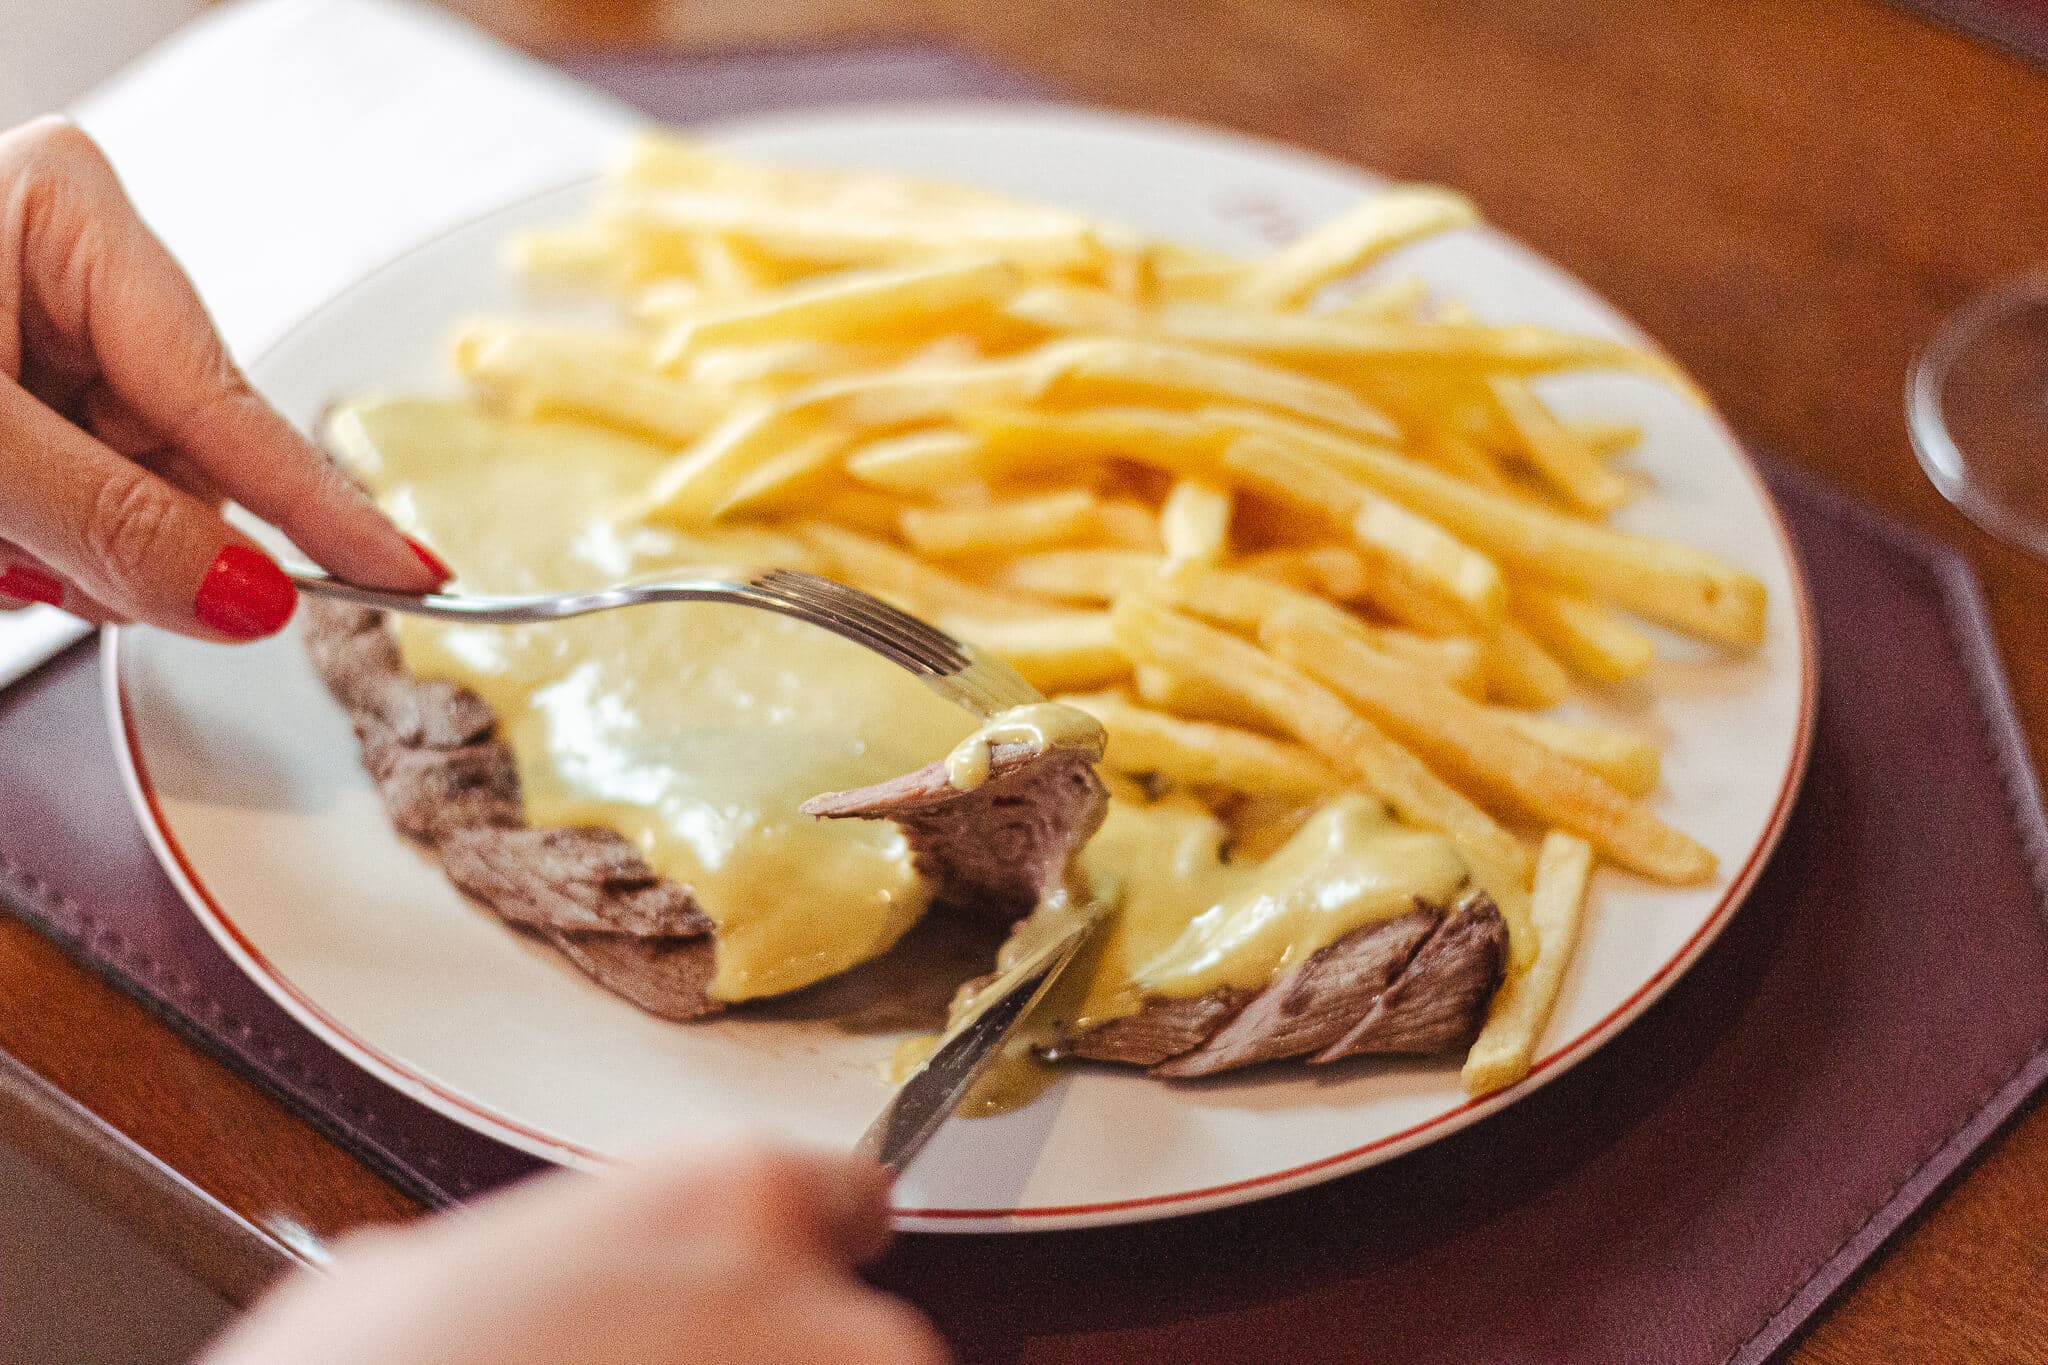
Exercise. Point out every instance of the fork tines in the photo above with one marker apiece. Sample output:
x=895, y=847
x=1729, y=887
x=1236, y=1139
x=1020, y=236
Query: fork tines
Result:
x=867, y=620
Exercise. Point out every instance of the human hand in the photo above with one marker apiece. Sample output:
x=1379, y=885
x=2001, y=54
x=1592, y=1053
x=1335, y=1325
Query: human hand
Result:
x=124, y=425
x=718, y=1257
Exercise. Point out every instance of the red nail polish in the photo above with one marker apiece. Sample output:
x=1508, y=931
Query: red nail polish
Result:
x=24, y=584
x=245, y=595
x=433, y=561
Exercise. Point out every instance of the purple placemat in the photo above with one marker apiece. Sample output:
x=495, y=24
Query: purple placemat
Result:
x=2018, y=26
x=1692, y=1192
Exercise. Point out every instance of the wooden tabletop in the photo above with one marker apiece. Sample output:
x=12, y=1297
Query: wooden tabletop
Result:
x=1788, y=195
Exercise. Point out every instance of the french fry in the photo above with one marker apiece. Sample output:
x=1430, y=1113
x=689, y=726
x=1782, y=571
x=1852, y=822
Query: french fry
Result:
x=781, y=364
x=1567, y=464
x=1060, y=518
x=690, y=490
x=1352, y=241
x=1461, y=579
x=798, y=467
x=1200, y=754
x=1055, y=651
x=1181, y=695
x=1395, y=300
x=1605, y=439
x=1287, y=698
x=1520, y=671
x=1696, y=592
x=918, y=460
x=549, y=372
x=588, y=255
x=888, y=572
x=828, y=235
x=1093, y=364
x=723, y=268
x=1195, y=523
x=1025, y=441
x=1589, y=638
x=1080, y=575
x=1129, y=525
x=657, y=159
x=1469, y=740
x=1506, y=1045
x=1631, y=764
x=849, y=305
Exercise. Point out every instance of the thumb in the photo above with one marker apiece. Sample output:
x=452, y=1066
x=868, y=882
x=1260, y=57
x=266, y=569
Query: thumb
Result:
x=130, y=541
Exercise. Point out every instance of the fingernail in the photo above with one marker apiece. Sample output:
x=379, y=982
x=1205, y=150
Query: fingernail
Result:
x=431, y=560
x=245, y=595
x=24, y=584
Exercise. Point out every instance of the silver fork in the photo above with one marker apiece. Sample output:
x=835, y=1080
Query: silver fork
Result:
x=952, y=668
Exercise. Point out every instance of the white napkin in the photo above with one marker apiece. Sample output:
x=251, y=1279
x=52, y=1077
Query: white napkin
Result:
x=284, y=148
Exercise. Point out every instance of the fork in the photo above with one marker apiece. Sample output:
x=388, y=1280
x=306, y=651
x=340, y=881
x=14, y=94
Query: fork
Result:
x=957, y=671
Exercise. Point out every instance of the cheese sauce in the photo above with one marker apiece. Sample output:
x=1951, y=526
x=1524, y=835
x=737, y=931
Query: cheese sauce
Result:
x=696, y=731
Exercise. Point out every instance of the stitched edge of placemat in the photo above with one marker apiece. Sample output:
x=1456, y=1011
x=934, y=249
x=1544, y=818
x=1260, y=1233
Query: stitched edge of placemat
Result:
x=1968, y=617
x=84, y=937
x=1996, y=22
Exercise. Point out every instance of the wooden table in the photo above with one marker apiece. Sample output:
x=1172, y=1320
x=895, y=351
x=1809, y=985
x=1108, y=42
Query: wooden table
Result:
x=1790, y=195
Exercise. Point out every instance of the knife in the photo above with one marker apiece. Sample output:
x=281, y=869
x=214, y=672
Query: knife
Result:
x=924, y=1101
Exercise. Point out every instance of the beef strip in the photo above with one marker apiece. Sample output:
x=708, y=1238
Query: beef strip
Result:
x=1162, y=1030
x=1439, y=1003
x=993, y=851
x=1418, y=983
x=581, y=880
x=446, y=778
x=1314, y=1004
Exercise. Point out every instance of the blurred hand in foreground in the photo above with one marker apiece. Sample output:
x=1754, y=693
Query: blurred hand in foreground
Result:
x=739, y=1254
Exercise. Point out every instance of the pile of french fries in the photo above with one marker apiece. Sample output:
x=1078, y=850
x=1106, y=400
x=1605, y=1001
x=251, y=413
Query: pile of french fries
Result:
x=1283, y=534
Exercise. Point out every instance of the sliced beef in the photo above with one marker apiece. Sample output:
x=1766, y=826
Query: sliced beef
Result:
x=1163, y=1029
x=576, y=880
x=991, y=852
x=445, y=777
x=669, y=977
x=1316, y=1002
x=1439, y=1003
x=1418, y=983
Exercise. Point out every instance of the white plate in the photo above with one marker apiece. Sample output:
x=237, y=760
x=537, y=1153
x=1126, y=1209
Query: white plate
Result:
x=247, y=779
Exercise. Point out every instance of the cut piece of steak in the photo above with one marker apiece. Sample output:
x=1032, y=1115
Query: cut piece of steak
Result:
x=1161, y=1030
x=670, y=977
x=577, y=880
x=1316, y=1002
x=445, y=777
x=1439, y=1003
x=1418, y=983
x=993, y=851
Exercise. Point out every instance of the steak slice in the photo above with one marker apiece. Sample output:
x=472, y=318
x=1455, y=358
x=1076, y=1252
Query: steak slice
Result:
x=1163, y=1029
x=1316, y=1002
x=589, y=881
x=446, y=778
x=1417, y=983
x=669, y=977
x=990, y=852
x=1440, y=1002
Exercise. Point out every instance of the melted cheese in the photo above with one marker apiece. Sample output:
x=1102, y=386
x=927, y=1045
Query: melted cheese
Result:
x=1042, y=725
x=697, y=731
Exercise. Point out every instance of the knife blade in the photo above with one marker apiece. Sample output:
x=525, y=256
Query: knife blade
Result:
x=925, y=1101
